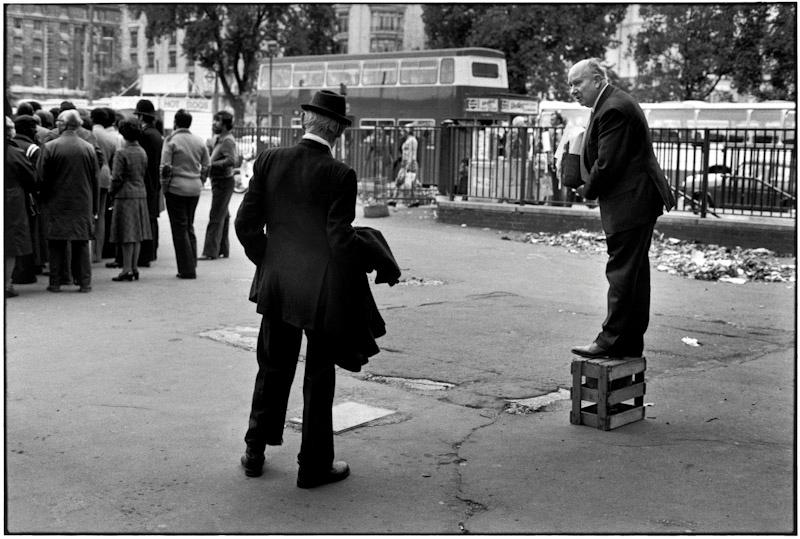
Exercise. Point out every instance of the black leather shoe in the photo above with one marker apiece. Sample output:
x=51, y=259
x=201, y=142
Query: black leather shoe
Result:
x=113, y=265
x=339, y=470
x=253, y=464
x=186, y=276
x=593, y=351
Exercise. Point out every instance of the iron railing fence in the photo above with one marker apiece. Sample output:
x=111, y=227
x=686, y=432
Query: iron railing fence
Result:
x=712, y=171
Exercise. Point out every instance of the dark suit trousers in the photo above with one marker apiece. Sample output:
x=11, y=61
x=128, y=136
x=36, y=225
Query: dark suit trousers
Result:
x=628, y=274
x=80, y=264
x=181, y=221
x=277, y=350
x=216, y=242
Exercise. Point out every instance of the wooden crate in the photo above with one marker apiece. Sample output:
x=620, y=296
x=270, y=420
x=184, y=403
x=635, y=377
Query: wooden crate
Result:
x=610, y=385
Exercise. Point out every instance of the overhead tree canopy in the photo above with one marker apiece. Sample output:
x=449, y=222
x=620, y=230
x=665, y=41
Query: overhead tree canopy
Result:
x=540, y=41
x=116, y=80
x=684, y=50
x=231, y=39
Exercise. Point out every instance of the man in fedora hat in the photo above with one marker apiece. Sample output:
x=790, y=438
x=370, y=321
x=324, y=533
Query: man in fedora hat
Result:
x=152, y=142
x=295, y=223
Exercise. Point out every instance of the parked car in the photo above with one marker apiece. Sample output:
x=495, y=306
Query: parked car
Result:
x=754, y=185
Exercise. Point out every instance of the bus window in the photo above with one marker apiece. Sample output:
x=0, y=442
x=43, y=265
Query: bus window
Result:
x=418, y=71
x=308, y=75
x=344, y=72
x=372, y=123
x=447, y=73
x=484, y=70
x=380, y=73
x=281, y=76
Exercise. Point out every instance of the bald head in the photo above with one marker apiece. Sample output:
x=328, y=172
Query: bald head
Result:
x=69, y=119
x=586, y=79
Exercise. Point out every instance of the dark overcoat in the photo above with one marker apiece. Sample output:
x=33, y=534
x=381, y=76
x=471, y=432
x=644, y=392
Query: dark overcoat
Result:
x=624, y=174
x=295, y=223
x=152, y=142
x=68, y=171
x=19, y=178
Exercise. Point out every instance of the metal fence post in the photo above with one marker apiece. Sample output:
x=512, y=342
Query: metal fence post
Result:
x=704, y=182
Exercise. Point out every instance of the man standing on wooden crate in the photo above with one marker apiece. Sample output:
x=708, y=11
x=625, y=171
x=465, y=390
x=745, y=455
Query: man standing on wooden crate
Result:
x=620, y=169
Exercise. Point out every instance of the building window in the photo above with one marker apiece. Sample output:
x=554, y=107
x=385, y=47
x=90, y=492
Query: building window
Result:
x=151, y=59
x=38, y=45
x=173, y=59
x=63, y=28
x=36, y=62
x=17, y=42
x=18, y=60
x=385, y=21
x=383, y=45
x=173, y=38
x=134, y=59
x=342, y=22
x=37, y=25
x=18, y=23
x=63, y=65
x=17, y=79
x=134, y=38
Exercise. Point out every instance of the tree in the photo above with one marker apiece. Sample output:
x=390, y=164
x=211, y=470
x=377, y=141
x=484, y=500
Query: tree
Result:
x=116, y=80
x=231, y=39
x=540, y=41
x=684, y=50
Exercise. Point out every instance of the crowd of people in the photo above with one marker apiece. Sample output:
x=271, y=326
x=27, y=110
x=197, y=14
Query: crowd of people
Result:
x=83, y=185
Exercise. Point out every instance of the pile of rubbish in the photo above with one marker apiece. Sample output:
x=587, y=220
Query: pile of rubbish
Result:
x=678, y=257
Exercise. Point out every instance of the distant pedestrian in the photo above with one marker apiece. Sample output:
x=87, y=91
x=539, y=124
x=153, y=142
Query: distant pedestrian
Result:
x=109, y=141
x=29, y=265
x=130, y=221
x=224, y=158
x=68, y=171
x=151, y=142
x=621, y=171
x=19, y=178
x=184, y=164
x=295, y=224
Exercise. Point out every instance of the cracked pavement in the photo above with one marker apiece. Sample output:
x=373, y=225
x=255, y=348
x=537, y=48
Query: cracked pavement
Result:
x=127, y=414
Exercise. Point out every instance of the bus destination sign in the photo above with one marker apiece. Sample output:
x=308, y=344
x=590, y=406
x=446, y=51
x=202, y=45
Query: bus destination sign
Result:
x=529, y=107
x=481, y=104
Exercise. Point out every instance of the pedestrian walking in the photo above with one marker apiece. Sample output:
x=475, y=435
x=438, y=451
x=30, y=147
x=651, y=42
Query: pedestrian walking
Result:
x=130, y=221
x=184, y=164
x=621, y=171
x=295, y=223
x=151, y=142
x=68, y=171
x=19, y=179
x=224, y=158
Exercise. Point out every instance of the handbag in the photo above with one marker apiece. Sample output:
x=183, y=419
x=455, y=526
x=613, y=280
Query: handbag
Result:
x=571, y=169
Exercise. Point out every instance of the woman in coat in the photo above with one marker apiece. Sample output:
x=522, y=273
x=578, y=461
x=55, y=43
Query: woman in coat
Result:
x=19, y=177
x=131, y=221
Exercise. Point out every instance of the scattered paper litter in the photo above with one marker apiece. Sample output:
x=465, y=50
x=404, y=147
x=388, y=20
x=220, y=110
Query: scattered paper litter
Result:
x=690, y=341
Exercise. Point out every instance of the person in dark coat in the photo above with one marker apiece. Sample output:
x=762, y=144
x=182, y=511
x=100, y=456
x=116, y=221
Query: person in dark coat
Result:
x=621, y=171
x=152, y=142
x=29, y=265
x=18, y=179
x=310, y=277
x=130, y=221
x=68, y=171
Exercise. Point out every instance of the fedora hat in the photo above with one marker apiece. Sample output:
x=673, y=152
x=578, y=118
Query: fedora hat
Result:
x=144, y=107
x=329, y=104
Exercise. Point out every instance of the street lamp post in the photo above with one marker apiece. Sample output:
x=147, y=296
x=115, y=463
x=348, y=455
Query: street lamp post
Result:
x=272, y=47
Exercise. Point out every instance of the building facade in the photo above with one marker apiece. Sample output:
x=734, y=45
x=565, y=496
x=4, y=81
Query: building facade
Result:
x=364, y=28
x=59, y=50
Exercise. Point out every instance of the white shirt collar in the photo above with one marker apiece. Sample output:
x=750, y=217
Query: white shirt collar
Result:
x=598, y=97
x=317, y=138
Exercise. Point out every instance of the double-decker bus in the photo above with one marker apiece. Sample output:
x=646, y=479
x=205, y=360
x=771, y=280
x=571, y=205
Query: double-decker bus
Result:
x=385, y=89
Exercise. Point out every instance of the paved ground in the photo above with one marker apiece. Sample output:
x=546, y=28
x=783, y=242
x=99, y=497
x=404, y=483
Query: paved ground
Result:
x=123, y=416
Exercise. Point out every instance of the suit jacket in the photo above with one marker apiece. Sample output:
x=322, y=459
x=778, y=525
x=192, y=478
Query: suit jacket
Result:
x=68, y=171
x=624, y=174
x=295, y=224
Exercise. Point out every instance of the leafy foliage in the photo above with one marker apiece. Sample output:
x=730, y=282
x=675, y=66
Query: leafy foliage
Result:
x=231, y=39
x=540, y=41
x=116, y=80
x=684, y=50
